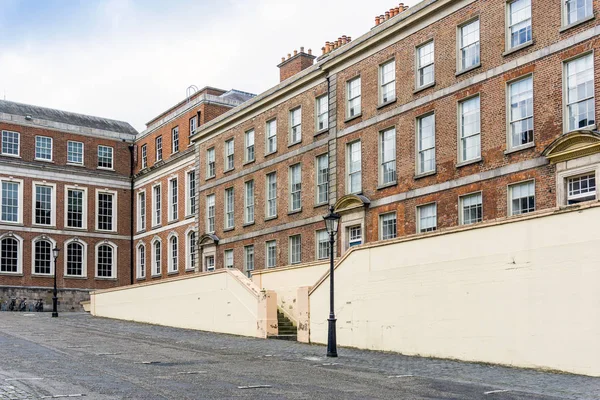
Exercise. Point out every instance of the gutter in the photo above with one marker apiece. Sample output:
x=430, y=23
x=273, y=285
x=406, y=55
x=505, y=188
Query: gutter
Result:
x=131, y=246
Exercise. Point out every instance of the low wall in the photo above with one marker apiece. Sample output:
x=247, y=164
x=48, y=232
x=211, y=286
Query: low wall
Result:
x=224, y=301
x=523, y=293
x=286, y=281
x=68, y=299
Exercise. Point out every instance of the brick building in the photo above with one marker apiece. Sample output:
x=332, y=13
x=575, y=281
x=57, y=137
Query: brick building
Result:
x=452, y=112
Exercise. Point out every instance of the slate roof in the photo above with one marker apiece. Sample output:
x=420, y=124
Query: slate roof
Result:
x=237, y=95
x=64, y=117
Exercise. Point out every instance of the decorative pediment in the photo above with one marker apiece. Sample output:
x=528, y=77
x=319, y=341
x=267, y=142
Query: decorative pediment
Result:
x=350, y=202
x=208, y=238
x=573, y=145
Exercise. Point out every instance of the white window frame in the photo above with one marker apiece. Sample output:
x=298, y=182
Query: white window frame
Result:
x=18, y=144
x=249, y=146
x=19, y=240
x=208, y=217
x=461, y=208
x=112, y=157
x=249, y=201
x=270, y=136
x=211, y=163
x=175, y=140
x=349, y=189
x=383, y=84
x=153, y=271
x=85, y=207
x=321, y=186
x=227, y=155
x=460, y=146
x=320, y=113
x=421, y=151
x=359, y=241
x=189, y=198
x=247, y=268
x=460, y=65
x=141, y=218
x=171, y=267
x=565, y=68
x=381, y=156
x=51, y=149
x=35, y=184
x=352, y=97
x=270, y=199
x=114, y=209
x=420, y=208
x=226, y=208
x=509, y=137
x=139, y=268
x=295, y=126
x=419, y=68
x=508, y=30
x=83, y=258
x=510, y=190
x=191, y=250
x=115, y=260
x=318, y=241
x=173, y=214
x=82, y=153
x=267, y=245
x=226, y=253
x=381, y=217
x=158, y=147
x=20, y=201
x=193, y=124
x=144, y=149
x=565, y=15
x=210, y=262
x=52, y=246
x=295, y=191
x=290, y=252
x=571, y=174
x=157, y=217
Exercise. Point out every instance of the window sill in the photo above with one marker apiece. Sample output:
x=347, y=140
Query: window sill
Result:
x=228, y=229
x=74, y=277
x=228, y=170
x=10, y=155
x=585, y=128
x=189, y=270
x=464, y=71
x=249, y=162
x=387, y=185
x=247, y=224
x=104, y=231
x=425, y=174
x=140, y=279
x=576, y=23
x=295, y=211
x=352, y=118
x=469, y=162
x=156, y=226
x=519, y=148
x=321, y=204
x=208, y=178
x=387, y=103
x=105, y=169
x=43, y=160
x=140, y=232
x=156, y=276
x=172, y=273
x=11, y=274
x=421, y=88
x=518, y=48
x=294, y=144
x=189, y=216
x=322, y=131
x=44, y=226
x=12, y=223
x=268, y=154
x=271, y=218
x=102, y=278
x=72, y=164
x=173, y=221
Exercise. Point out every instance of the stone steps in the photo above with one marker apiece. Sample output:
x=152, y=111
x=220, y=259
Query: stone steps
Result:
x=286, y=328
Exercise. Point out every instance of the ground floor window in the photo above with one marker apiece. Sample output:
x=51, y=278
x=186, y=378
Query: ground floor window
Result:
x=42, y=257
x=75, y=257
x=354, y=236
x=105, y=257
x=581, y=188
x=9, y=255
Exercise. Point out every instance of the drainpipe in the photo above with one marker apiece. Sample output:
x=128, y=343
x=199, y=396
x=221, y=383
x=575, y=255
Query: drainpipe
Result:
x=132, y=215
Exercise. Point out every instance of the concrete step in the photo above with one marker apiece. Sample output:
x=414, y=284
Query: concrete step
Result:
x=283, y=337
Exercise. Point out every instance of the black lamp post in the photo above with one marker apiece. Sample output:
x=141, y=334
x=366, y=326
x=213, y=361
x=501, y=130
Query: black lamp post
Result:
x=331, y=222
x=55, y=251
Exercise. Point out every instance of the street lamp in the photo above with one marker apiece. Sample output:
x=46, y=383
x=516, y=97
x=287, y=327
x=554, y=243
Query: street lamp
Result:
x=331, y=222
x=55, y=251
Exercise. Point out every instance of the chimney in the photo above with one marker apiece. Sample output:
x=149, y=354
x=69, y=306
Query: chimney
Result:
x=296, y=63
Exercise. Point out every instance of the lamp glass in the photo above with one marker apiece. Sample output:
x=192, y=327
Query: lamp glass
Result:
x=55, y=252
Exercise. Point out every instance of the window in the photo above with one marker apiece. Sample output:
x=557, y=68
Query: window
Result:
x=210, y=263
x=354, y=236
x=353, y=97
x=387, y=82
x=76, y=203
x=106, y=261
x=272, y=195
x=427, y=218
x=249, y=203
x=157, y=202
x=156, y=270
x=519, y=19
x=191, y=190
x=295, y=249
x=173, y=199
x=469, y=45
x=210, y=213
x=75, y=152
x=210, y=163
x=10, y=255
x=159, y=148
x=42, y=259
x=141, y=262
x=144, y=156
x=387, y=156
x=426, y=144
x=229, y=201
x=229, y=154
x=141, y=211
x=249, y=259
x=229, y=258
x=581, y=188
x=522, y=198
x=43, y=148
x=425, y=65
x=106, y=206
x=105, y=157
x=191, y=262
x=44, y=200
x=354, y=183
x=173, y=254
x=580, y=93
x=322, y=244
x=271, y=136
x=470, y=130
x=577, y=10
x=175, y=140
x=11, y=197
x=10, y=143
x=295, y=188
x=521, y=112
x=296, y=125
x=387, y=223
x=271, y=256
x=323, y=179
x=322, y=113
x=75, y=259
x=193, y=124
x=250, y=145
x=471, y=209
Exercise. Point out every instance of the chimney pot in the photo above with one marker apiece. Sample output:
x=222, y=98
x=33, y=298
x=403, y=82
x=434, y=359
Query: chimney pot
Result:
x=323, y=50
x=377, y=20
x=396, y=10
x=302, y=49
x=349, y=39
x=310, y=52
x=387, y=15
x=282, y=59
x=289, y=56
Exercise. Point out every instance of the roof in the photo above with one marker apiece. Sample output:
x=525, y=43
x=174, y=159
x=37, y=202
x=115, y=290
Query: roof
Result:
x=64, y=117
x=237, y=96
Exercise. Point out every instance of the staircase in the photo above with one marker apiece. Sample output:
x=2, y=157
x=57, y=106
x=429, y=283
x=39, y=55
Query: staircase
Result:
x=287, y=330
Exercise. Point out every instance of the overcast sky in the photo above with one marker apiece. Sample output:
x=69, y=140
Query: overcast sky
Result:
x=132, y=59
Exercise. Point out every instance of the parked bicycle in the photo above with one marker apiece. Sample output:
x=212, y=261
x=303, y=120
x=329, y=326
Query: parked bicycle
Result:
x=23, y=304
x=12, y=305
x=39, y=305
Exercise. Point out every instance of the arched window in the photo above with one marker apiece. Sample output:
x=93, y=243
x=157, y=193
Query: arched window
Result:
x=42, y=257
x=75, y=259
x=10, y=255
x=156, y=259
x=105, y=261
x=141, y=261
x=173, y=254
x=191, y=262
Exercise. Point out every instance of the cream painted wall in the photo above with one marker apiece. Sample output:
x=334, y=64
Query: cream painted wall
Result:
x=524, y=293
x=224, y=301
x=286, y=282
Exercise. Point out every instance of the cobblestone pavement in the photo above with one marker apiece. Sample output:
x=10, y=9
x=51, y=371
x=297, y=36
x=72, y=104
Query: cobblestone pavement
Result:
x=77, y=355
